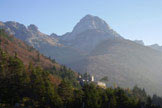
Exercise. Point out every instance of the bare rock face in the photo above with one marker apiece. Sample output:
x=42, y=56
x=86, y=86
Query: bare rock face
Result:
x=90, y=22
x=31, y=34
x=54, y=35
x=90, y=30
x=17, y=29
x=32, y=27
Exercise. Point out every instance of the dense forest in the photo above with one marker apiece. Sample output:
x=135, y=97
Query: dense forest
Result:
x=32, y=86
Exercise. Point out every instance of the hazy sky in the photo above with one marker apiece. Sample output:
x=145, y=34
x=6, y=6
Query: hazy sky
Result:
x=133, y=19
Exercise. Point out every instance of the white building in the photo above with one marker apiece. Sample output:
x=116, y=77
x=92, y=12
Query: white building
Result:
x=92, y=78
x=101, y=84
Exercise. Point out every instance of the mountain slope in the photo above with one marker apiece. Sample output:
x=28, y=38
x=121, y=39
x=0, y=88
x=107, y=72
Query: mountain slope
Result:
x=89, y=32
x=156, y=47
x=26, y=53
x=125, y=63
x=48, y=45
x=29, y=56
x=30, y=34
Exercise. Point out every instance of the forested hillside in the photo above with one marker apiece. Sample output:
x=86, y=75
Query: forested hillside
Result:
x=27, y=54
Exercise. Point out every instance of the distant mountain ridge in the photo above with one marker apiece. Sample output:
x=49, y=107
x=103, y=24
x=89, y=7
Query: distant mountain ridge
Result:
x=139, y=42
x=29, y=34
x=153, y=46
x=156, y=47
x=94, y=47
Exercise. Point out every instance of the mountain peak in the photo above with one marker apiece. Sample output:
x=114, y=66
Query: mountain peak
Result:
x=33, y=27
x=14, y=24
x=90, y=22
x=88, y=16
x=54, y=35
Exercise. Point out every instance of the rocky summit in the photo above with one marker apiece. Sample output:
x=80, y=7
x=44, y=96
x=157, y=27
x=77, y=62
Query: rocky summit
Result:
x=90, y=22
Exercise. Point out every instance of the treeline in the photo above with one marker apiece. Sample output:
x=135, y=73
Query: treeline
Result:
x=32, y=87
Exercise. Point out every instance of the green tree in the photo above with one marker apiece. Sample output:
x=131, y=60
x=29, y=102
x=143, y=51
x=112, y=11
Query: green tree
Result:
x=92, y=98
x=65, y=91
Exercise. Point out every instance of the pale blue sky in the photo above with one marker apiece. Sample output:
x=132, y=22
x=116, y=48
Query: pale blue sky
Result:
x=133, y=19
